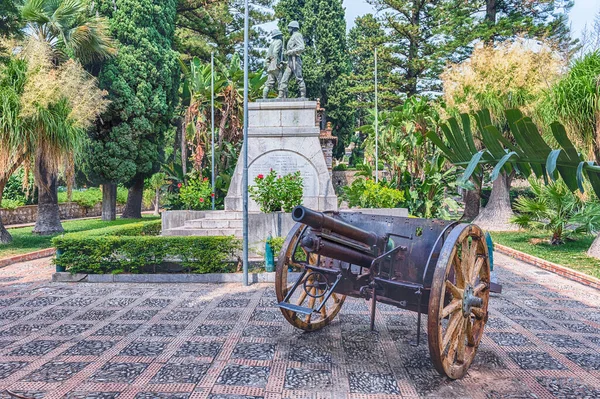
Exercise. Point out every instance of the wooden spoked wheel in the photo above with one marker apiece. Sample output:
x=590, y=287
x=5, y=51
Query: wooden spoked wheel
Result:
x=459, y=300
x=301, y=297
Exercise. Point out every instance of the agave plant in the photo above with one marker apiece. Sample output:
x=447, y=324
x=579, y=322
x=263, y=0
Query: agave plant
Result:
x=556, y=209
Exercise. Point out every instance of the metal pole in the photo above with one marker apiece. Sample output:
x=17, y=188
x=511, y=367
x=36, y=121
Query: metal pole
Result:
x=376, y=124
x=245, y=148
x=212, y=123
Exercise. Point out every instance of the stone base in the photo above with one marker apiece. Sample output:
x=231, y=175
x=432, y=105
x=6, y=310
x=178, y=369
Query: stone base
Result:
x=284, y=136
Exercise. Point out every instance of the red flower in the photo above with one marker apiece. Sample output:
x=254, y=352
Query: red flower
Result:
x=179, y=185
x=261, y=176
x=212, y=195
x=206, y=179
x=201, y=199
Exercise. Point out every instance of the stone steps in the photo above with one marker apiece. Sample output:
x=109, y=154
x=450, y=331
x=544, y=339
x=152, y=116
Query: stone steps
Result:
x=190, y=231
x=218, y=223
x=208, y=223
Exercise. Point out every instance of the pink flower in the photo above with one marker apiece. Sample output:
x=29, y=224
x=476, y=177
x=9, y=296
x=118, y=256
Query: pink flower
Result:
x=205, y=179
x=179, y=185
x=261, y=176
x=279, y=177
x=201, y=199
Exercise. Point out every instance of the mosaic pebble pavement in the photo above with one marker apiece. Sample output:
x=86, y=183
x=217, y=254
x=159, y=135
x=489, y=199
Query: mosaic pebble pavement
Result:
x=162, y=341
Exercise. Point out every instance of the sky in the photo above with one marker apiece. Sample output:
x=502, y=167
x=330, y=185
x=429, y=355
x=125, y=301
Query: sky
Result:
x=582, y=12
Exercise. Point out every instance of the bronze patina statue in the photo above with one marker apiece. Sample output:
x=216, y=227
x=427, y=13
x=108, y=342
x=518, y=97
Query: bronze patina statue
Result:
x=295, y=48
x=274, y=62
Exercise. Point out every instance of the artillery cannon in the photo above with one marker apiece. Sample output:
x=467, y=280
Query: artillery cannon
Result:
x=436, y=267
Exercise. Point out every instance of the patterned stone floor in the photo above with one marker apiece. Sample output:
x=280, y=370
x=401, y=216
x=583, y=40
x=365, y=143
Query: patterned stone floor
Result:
x=230, y=342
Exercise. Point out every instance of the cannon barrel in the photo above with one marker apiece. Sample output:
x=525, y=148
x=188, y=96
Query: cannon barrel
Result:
x=318, y=220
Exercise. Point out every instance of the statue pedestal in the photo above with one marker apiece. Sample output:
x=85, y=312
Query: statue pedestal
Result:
x=283, y=135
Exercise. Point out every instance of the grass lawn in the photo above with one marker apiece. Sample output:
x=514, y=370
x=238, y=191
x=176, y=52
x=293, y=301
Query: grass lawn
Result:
x=572, y=254
x=24, y=241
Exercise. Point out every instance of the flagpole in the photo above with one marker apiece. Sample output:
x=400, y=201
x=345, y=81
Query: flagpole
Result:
x=212, y=123
x=245, y=146
x=376, y=123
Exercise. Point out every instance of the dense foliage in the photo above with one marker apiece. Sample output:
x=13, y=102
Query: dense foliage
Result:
x=142, y=82
x=366, y=193
x=195, y=194
x=556, y=209
x=575, y=101
x=276, y=193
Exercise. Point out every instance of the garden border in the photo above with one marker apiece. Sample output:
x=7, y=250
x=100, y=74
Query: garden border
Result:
x=43, y=253
x=66, y=277
x=574, y=275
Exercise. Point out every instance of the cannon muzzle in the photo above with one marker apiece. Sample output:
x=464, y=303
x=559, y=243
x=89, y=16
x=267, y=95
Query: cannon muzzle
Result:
x=319, y=221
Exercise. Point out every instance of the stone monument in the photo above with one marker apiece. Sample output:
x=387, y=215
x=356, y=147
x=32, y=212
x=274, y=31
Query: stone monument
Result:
x=284, y=135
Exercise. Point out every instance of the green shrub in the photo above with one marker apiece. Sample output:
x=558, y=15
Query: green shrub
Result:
x=149, y=228
x=365, y=193
x=275, y=193
x=340, y=167
x=125, y=254
x=11, y=204
x=196, y=194
x=134, y=247
x=14, y=188
x=276, y=244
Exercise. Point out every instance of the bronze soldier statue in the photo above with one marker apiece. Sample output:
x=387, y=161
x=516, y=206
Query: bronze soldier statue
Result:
x=295, y=48
x=274, y=62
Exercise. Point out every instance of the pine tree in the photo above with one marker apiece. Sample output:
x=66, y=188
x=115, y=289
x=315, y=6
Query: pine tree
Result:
x=204, y=26
x=143, y=82
x=363, y=38
x=326, y=62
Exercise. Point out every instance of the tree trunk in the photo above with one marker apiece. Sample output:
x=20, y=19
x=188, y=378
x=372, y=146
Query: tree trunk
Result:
x=109, y=202
x=5, y=237
x=157, y=203
x=496, y=215
x=594, y=250
x=48, y=217
x=472, y=200
x=133, y=208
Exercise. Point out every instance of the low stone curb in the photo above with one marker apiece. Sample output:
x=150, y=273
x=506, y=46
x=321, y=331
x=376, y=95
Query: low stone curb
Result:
x=551, y=267
x=44, y=253
x=66, y=277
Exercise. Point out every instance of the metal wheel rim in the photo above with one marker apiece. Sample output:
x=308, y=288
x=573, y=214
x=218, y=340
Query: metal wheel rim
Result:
x=281, y=287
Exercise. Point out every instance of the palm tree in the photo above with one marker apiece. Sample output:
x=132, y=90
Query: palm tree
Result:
x=575, y=102
x=13, y=143
x=45, y=111
x=71, y=31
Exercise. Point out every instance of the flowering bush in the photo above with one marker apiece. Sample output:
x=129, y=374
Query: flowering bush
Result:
x=274, y=193
x=196, y=194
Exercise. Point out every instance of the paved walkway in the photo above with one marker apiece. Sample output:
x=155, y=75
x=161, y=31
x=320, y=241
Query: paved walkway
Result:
x=223, y=341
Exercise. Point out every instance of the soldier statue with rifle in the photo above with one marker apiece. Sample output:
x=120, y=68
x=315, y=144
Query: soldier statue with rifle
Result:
x=295, y=47
x=274, y=62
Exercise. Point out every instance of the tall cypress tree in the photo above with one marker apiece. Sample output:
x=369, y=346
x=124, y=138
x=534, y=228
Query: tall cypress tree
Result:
x=143, y=82
x=326, y=61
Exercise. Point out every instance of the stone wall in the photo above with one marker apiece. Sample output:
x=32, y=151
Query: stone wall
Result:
x=68, y=210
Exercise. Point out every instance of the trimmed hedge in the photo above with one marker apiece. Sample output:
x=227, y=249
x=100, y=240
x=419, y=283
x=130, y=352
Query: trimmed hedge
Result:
x=135, y=248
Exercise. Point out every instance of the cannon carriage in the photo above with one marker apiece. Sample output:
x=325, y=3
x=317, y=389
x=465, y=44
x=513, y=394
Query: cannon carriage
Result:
x=436, y=267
